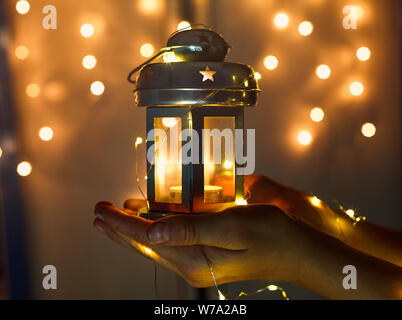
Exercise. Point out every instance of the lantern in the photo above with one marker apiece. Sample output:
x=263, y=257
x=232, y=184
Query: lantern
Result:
x=195, y=104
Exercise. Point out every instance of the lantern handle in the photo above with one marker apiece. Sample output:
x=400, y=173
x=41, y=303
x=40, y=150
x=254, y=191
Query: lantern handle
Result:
x=176, y=49
x=130, y=76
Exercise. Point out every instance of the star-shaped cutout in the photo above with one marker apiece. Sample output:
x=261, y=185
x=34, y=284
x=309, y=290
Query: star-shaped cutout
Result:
x=203, y=38
x=207, y=74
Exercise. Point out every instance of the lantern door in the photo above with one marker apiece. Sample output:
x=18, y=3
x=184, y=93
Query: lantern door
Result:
x=215, y=182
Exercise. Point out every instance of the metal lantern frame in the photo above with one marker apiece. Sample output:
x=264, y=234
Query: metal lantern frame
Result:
x=192, y=117
x=194, y=83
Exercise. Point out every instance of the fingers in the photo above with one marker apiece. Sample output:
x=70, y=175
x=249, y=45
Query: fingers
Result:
x=217, y=230
x=131, y=226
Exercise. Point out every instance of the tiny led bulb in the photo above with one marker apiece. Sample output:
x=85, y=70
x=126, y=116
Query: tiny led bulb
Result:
x=368, y=130
x=306, y=28
x=89, y=62
x=97, y=88
x=257, y=76
x=323, y=71
x=317, y=114
x=24, y=169
x=22, y=6
x=46, y=133
x=363, y=53
x=147, y=50
x=271, y=62
x=315, y=201
x=21, y=52
x=272, y=287
x=183, y=25
x=356, y=88
x=87, y=30
x=350, y=213
x=241, y=202
x=138, y=141
x=281, y=20
x=304, y=138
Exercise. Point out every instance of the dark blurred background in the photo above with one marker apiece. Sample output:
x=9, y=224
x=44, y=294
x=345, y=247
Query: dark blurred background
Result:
x=47, y=215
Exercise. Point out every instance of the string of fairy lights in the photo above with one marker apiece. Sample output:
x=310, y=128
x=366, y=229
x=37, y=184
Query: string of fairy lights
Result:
x=281, y=21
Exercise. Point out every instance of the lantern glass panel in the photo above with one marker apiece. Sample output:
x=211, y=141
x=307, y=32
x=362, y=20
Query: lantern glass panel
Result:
x=168, y=161
x=219, y=159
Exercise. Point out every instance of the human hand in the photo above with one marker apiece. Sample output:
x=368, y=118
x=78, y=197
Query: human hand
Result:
x=297, y=205
x=255, y=242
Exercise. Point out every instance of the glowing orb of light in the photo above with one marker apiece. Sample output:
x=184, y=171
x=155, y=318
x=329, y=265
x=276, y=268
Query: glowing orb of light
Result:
x=97, y=88
x=368, y=130
x=281, y=20
x=317, y=114
x=24, y=169
x=363, y=53
x=306, y=28
x=87, y=30
x=304, y=138
x=22, y=6
x=46, y=133
x=323, y=71
x=271, y=62
x=147, y=50
x=356, y=88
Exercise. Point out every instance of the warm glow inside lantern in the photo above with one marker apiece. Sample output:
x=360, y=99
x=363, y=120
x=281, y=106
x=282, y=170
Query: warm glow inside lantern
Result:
x=195, y=109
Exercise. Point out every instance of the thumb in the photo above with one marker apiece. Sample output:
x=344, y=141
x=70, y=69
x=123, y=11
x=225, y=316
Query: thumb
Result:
x=188, y=230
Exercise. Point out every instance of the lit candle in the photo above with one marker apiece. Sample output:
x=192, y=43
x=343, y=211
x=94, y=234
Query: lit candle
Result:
x=212, y=194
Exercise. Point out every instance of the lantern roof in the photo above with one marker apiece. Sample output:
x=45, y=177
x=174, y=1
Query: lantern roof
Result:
x=194, y=73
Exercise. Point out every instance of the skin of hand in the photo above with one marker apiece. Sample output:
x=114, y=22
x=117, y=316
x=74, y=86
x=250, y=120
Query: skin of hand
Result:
x=281, y=237
x=255, y=242
x=375, y=240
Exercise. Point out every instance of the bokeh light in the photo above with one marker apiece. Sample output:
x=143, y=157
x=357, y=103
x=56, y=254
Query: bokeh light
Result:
x=1, y=152
x=169, y=122
x=323, y=71
x=147, y=50
x=89, y=62
x=32, y=90
x=306, y=28
x=46, y=134
x=87, y=30
x=304, y=137
x=271, y=62
x=21, y=52
x=24, y=169
x=22, y=6
x=281, y=20
x=368, y=130
x=363, y=53
x=356, y=88
x=257, y=76
x=183, y=25
x=228, y=164
x=149, y=6
x=317, y=114
x=97, y=88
